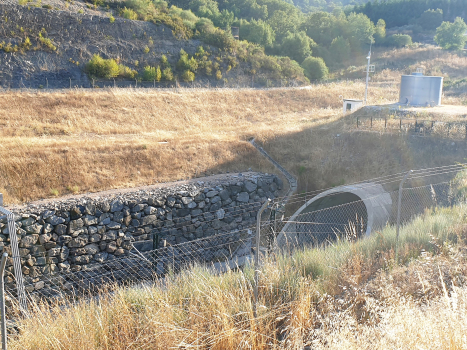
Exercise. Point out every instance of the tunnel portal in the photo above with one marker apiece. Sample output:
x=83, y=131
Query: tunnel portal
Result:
x=354, y=211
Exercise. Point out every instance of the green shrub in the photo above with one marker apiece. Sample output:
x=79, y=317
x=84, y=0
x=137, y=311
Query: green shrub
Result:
x=188, y=76
x=164, y=61
x=126, y=72
x=102, y=68
x=47, y=42
x=218, y=75
x=128, y=14
x=152, y=73
x=399, y=40
x=315, y=68
x=186, y=63
x=167, y=74
x=146, y=49
x=112, y=19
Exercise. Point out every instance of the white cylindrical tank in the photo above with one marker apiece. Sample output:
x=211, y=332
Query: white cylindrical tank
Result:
x=420, y=90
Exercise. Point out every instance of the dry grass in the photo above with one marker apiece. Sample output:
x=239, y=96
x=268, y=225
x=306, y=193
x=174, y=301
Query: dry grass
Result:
x=346, y=296
x=91, y=141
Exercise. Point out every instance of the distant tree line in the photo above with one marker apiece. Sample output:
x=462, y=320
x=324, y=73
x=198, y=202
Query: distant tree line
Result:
x=397, y=13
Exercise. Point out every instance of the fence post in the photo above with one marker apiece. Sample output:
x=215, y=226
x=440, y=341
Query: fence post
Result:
x=371, y=122
x=258, y=237
x=15, y=256
x=399, y=203
x=2, y=299
x=357, y=122
x=400, y=124
x=385, y=122
x=46, y=83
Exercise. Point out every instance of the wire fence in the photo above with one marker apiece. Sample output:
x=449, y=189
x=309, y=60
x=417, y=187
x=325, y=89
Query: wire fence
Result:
x=352, y=212
x=412, y=122
x=59, y=82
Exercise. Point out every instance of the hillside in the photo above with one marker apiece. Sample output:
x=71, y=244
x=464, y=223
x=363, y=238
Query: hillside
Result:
x=44, y=47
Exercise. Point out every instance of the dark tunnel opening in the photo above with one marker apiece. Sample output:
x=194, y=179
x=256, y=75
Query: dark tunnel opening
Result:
x=330, y=217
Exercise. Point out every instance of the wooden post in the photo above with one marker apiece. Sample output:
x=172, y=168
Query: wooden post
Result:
x=385, y=122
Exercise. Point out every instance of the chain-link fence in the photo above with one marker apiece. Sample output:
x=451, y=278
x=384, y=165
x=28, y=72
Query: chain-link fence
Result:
x=348, y=213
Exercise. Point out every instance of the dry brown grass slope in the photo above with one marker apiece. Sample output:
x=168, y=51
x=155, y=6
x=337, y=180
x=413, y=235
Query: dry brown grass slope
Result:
x=79, y=141
x=90, y=140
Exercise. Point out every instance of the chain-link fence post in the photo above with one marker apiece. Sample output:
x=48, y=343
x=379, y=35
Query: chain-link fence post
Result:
x=399, y=203
x=258, y=237
x=15, y=256
x=2, y=300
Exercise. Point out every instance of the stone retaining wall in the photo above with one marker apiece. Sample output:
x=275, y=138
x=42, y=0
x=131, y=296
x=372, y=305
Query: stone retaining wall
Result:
x=80, y=233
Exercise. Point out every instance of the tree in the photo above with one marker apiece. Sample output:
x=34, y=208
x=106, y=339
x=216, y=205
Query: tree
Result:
x=451, y=35
x=431, y=19
x=188, y=76
x=258, y=32
x=340, y=50
x=380, y=31
x=152, y=73
x=360, y=30
x=315, y=68
x=297, y=46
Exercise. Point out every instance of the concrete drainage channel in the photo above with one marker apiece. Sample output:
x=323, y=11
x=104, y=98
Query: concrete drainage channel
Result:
x=290, y=178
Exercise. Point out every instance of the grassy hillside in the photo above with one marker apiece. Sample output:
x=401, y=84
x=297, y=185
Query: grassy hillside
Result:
x=350, y=295
x=80, y=141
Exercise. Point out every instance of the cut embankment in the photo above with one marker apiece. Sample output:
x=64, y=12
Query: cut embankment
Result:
x=60, y=143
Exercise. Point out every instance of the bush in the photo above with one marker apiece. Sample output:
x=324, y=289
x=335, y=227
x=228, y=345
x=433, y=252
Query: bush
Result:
x=126, y=72
x=186, y=63
x=164, y=61
x=451, y=35
x=399, y=40
x=188, y=76
x=112, y=19
x=167, y=74
x=152, y=73
x=47, y=42
x=102, y=68
x=218, y=75
x=290, y=69
x=315, y=68
x=128, y=14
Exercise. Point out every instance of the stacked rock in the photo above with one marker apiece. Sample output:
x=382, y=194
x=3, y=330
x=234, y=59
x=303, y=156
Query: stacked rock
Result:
x=63, y=237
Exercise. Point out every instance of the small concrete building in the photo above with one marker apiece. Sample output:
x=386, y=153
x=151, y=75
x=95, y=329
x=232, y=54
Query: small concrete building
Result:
x=351, y=105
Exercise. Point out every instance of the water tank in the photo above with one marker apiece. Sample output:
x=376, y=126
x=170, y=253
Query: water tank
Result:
x=420, y=90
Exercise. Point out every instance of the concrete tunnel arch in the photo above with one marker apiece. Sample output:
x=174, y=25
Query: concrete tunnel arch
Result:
x=367, y=205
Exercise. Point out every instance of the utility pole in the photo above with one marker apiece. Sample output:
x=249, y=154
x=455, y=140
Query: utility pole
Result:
x=367, y=74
